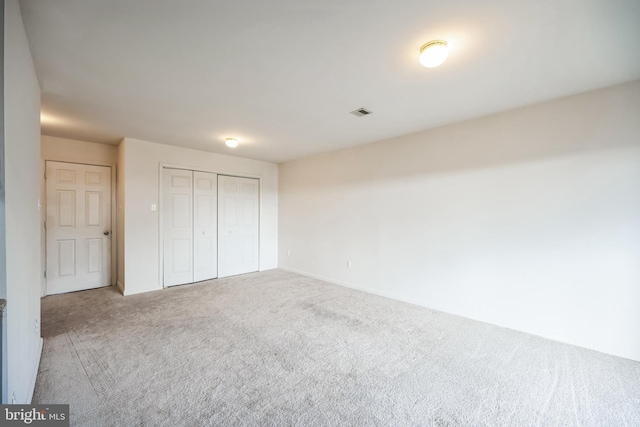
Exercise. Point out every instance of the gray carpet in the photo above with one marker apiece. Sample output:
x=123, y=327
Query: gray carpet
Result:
x=279, y=349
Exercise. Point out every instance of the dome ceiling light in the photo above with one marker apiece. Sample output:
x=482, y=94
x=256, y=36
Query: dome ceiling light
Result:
x=433, y=53
x=231, y=142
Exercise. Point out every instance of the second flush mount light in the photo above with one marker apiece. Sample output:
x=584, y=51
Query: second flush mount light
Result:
x=231, y=142
x=433, y=53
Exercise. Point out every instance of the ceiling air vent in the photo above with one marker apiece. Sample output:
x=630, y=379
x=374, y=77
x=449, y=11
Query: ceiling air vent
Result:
x=361, y=112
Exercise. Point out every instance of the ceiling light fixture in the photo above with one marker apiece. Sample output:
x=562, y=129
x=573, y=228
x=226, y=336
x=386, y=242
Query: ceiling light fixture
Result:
x=433, y=53
x=231, y=142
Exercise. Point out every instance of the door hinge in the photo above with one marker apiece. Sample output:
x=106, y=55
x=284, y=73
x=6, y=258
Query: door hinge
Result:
x=45, y=274
x=45, y=225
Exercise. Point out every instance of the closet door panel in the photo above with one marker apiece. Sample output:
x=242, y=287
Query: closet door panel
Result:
x=205, y=226
x=238, y=201
x=177, y=215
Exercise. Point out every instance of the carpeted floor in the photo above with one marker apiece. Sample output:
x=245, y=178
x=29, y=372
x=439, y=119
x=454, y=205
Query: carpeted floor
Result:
x=279, y=349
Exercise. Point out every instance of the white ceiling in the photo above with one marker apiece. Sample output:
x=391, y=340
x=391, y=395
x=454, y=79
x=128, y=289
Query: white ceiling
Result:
x=283, y=75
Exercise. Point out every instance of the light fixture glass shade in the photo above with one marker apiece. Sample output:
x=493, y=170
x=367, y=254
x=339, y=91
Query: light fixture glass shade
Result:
x=231, y=142
x=433, y=53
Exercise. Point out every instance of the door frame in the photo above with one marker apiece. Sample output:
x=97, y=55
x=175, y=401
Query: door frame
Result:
x=43, y=218
x=162, y=166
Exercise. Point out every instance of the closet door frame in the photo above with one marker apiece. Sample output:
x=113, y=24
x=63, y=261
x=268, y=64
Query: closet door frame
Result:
x=160, y=207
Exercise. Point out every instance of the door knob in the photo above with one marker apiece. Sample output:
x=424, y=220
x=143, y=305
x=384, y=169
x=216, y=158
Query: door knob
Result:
x=106, y=233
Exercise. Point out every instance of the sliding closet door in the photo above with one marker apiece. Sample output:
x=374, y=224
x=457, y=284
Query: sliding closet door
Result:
x=237, y=225
x=177, y=213
x=205, y=239
x=210, y=226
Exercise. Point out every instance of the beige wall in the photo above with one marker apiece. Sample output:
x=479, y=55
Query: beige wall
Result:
x=74, y=151
x=141, y=190
x=528, y=219
x=22, y=179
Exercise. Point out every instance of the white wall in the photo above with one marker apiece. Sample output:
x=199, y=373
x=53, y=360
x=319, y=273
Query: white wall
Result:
x=528, y=219
x=22, y=174
x=141, y=190
x=120, y=218
x=74, y=151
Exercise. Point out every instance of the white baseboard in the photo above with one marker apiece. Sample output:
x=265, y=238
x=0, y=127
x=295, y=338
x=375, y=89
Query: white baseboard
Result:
x=34, y=376
x=120, y=286
x=391, y=295
x=372, y=291
x=471, y=316
x=142, y=291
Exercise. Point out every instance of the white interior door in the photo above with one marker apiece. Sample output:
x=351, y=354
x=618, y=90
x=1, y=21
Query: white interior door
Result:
x=238, y=219
x=177, y=213
x=78, y=227
x=205, y=239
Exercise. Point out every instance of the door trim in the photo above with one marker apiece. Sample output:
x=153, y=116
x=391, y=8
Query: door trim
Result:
x=114, y=230
x=162, y=166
